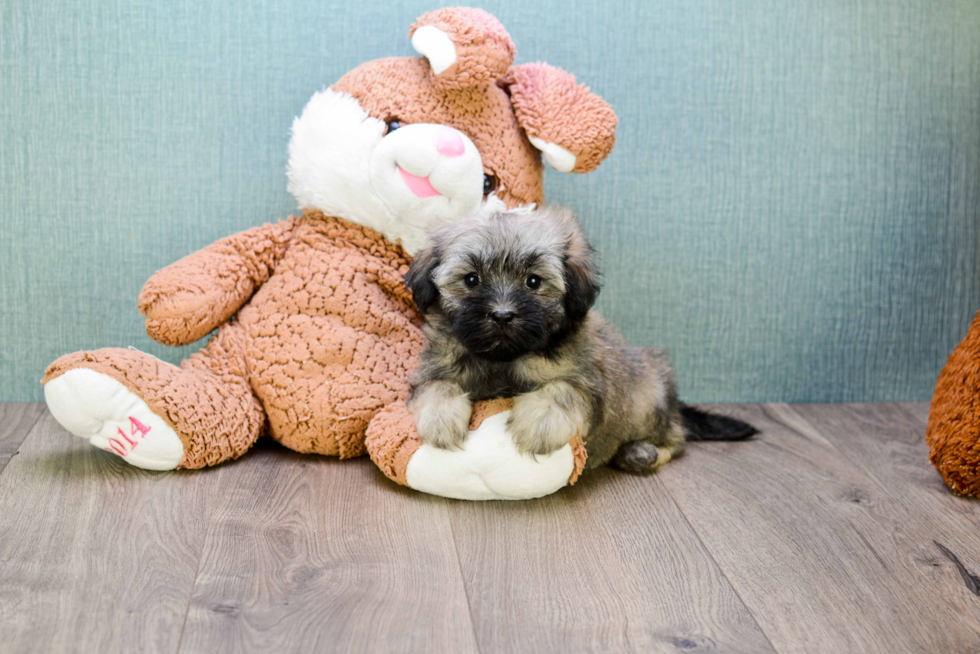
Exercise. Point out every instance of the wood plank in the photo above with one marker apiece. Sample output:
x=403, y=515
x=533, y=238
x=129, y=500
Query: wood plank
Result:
x=312, y=554
x=16, y=420
x=822, y=555
x=97, y=556
x=887, y=441
x=918, y=410
x=824, y=527
x=609, y=565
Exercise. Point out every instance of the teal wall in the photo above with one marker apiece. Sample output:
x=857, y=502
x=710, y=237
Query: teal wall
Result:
x=792, y=208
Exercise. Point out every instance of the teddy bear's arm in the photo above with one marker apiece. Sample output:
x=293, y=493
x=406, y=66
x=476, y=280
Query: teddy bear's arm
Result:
x=192, y=296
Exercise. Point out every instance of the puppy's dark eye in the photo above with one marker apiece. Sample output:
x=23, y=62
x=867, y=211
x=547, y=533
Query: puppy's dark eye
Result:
x=489, y=184
x=533, y=282
x=472, y=280
x=392, y=125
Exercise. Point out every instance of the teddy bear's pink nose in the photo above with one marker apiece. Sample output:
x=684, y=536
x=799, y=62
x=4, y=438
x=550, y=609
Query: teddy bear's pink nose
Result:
x=448, y=142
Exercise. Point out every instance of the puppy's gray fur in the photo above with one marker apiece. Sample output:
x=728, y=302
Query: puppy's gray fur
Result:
x=569, y=371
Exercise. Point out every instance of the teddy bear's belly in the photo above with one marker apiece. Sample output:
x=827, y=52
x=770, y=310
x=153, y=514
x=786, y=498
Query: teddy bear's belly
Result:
x=324, y=363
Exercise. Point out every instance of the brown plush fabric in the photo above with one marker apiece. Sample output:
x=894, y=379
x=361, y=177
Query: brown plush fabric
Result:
x=316, y=352
x=953, y=433
x=580, y=454
x=484, y=50
x=552, y=106
x=392, y=440
x=190, y=297
x=483, y=410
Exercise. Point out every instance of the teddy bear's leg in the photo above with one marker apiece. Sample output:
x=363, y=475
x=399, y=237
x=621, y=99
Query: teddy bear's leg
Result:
x=155, y=415
x=488, y=467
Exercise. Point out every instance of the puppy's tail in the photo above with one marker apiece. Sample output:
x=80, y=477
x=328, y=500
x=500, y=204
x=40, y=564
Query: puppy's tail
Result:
x=704, y=426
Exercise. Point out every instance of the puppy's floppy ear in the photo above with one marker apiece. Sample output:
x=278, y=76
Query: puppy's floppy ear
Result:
x=419, y=278
x=581, y=275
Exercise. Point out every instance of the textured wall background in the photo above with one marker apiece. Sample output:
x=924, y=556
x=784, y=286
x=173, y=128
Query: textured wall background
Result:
x=793, y=206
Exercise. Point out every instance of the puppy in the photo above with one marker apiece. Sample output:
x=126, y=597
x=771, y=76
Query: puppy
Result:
x=508, y=302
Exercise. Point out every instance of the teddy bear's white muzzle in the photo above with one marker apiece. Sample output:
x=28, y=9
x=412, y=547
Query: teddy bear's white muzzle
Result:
x=426, y=172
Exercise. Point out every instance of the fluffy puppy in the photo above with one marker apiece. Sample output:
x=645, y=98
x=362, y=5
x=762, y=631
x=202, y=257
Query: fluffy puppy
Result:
x=508, y=302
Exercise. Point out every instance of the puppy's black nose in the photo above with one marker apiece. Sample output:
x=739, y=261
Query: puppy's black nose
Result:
x=502, y=316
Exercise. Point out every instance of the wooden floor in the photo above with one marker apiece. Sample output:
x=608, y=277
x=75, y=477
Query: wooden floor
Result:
x=830, y=532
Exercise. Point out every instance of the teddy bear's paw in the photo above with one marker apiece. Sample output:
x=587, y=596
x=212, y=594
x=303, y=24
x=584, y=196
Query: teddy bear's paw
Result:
x=96, y=407
x=489, y=467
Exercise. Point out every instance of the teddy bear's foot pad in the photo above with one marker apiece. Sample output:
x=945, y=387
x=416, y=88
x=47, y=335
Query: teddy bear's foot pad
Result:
x=489, y=467
x=96, y=407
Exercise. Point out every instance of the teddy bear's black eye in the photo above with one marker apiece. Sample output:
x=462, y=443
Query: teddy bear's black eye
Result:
x=533, y=282
x=489, y=184
x=472, y=280
x=392, y=126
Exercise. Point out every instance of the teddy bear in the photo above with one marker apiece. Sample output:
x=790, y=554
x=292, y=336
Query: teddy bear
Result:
x=315, y=333
x=953, y=432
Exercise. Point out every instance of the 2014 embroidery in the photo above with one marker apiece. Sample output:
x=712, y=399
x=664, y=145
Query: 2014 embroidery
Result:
x=137, y=430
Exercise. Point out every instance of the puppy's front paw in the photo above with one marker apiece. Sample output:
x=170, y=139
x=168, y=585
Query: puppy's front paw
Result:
x=539, y=426
x=442, y=416
x=443, y=430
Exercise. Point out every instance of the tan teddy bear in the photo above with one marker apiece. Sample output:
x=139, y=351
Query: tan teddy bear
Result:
x=953, y=432
x=316, y=332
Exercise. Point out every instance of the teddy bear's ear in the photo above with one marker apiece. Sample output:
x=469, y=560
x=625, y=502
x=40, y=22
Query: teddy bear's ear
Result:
x=465, y=47
x=573, y=127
